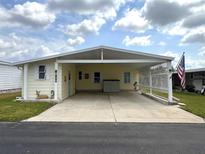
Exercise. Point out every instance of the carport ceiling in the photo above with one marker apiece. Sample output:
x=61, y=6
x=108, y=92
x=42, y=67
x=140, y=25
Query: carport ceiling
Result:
x=136, y=66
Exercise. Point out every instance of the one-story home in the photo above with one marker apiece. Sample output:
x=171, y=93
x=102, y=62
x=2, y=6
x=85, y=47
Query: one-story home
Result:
x=195, y=77
x=99, y=68
x=10, y=77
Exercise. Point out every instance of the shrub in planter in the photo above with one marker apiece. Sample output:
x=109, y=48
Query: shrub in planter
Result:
x=190, y=88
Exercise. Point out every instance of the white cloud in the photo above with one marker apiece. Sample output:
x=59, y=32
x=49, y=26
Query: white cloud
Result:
x=2, y=54
x=174, y=29
x=46, y=51
x=190, y=62
x=161, y=12
x=187, y=19
x=85, y=27
x=80, y=6
x=141, y=41
x=195, y=20
x=4, y=44
x=187, y=3
x=194, y=63
x=21, y=48
x=172, y=54
x=96, y=14
x=31, y=14
x=99, y=12
x=198, y=7
x=3, y=14
x=132, y=21
x=202, y=51
x=194, y=36
x=76, y=41
x=35, y=14
x=84, y=6
x=106, y=9
x=162, y=43
x=110, y=13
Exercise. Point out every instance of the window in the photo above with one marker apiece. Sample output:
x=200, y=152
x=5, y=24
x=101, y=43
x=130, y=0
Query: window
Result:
x=80, y=75
x=86, y=76
x=96, y=77
x=126, y=77
x=192, y=76
x=42, y=72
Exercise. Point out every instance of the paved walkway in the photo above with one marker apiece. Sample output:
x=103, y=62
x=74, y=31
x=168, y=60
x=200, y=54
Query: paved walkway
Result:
x=115, y=107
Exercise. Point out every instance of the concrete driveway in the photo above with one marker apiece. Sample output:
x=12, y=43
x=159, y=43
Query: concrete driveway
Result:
x=115, y=107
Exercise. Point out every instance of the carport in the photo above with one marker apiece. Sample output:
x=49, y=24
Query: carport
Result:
x=149, y=72
x=61, y=76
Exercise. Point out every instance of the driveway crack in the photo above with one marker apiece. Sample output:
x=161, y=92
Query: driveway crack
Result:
x=112, y=108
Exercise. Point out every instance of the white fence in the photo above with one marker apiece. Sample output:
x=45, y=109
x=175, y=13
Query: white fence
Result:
x=154, y=80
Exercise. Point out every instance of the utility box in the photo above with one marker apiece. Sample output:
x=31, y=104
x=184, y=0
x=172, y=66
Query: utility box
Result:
x=111, y=85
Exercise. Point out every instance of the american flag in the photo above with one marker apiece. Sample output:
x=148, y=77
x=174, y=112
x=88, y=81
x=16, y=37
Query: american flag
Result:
x=181, y=71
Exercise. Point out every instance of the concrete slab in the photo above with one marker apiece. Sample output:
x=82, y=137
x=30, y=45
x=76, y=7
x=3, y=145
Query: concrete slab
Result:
x=115, y=107
x=132, y=107
x=82, y=107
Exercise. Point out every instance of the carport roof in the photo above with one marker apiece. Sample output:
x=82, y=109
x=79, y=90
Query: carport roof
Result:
x=98, y=48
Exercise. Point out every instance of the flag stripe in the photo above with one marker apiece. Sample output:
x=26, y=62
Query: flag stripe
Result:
x=181, y=71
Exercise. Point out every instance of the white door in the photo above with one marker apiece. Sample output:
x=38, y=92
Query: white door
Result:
x=197, y=84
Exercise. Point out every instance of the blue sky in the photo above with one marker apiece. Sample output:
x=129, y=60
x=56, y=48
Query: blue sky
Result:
x=30, y=29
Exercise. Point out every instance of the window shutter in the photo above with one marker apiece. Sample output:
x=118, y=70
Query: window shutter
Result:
x=36, y=72
x=92, y=78
x=47, y=71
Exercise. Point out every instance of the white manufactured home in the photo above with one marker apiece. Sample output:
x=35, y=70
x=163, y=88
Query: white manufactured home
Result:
x=194, y=77
x=101, y=68
x=10, y=77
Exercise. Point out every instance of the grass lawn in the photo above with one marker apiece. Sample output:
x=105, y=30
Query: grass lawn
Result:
x=195, y=103
x=10, y=110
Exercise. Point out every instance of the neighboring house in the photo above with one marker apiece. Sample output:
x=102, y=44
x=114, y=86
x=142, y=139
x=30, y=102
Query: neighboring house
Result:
x=10, y=77
x=195, y=77
x=60, y=76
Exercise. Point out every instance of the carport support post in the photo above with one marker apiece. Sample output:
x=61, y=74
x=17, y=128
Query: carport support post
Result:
x=56, y=81
x=150, y=81
x=169, y=74
x=25, y=81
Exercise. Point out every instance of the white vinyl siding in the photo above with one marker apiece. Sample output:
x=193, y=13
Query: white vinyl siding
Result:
x=10, y=77
x=34, y=83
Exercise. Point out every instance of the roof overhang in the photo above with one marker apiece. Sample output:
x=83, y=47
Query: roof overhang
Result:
x=193, y=70
x=124, y=56
x=116, y=61
x=5, y=63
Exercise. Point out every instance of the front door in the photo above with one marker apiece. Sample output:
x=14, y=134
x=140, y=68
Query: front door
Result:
x=69, y=84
